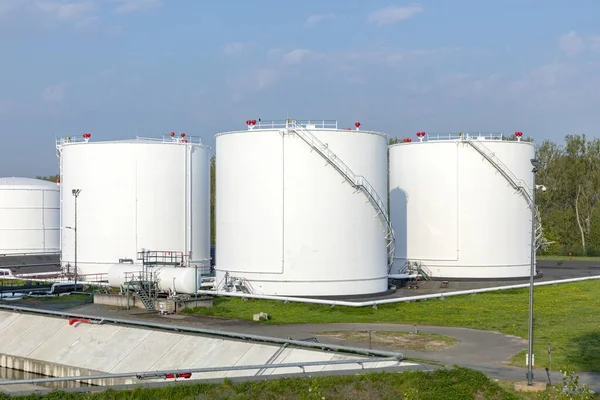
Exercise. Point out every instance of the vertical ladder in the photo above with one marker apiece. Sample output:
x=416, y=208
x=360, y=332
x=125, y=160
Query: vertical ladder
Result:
x=357, y=181
x=518, y=184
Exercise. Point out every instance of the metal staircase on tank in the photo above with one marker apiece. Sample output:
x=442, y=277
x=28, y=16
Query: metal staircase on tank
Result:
x=357, y=181
x=518, y=184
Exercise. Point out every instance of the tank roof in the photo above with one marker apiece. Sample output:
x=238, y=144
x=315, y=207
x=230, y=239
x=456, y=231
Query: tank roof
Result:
x=455, y=137
x=313, y=125
x=194, y=140
x=20, y=183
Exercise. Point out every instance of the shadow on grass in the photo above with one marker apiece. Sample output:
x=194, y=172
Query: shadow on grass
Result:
x=585, y=352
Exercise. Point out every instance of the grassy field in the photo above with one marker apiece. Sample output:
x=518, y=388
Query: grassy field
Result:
x=454, y=384
x=566, y=258
x=566, y=316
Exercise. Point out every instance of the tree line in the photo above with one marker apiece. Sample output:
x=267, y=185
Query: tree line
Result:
x=570, y=207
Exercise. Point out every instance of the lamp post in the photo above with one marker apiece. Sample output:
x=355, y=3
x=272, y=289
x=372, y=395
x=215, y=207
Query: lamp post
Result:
x=75, y=193
x=536, y=164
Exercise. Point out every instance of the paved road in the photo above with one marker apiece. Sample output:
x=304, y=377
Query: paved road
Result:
x=485, y=351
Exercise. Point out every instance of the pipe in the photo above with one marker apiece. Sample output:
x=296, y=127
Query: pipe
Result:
x=175, y=372
x=393, y=300
x=183, y=328
x=402, y=276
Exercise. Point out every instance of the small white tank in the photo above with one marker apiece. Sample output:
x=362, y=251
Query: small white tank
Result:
x=185, y=280
x=29, y=216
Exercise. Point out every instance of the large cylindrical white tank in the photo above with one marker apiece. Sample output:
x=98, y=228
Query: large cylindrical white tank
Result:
x=184, y=280
x=135, y=195
x=288, y=222
x=455, y=211
x=29, y=216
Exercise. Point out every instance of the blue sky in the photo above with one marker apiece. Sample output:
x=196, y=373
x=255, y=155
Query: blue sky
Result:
x=121, y=68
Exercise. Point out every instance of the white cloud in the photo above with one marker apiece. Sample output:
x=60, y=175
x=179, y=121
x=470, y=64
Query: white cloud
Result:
x=296, y=56
x=595, y=43
x=347, y=67
x=127, y=6
x=55, y=93
x=571, y=44
x=393, y=14
x=236, y=49
x=66, y=11
x=316, y=18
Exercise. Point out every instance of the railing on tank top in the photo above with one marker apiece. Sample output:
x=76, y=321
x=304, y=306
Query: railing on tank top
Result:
x=433, y=137
x=285, y=123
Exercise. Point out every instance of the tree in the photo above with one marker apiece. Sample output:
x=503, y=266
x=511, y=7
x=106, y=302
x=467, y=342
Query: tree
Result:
x=51, y=178
x=582, y=164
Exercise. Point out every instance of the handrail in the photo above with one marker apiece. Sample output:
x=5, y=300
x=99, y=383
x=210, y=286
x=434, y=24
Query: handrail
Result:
x=186, y=373
x=284, y=123
x=516, y=183
x=357, y=181
x=432, y=137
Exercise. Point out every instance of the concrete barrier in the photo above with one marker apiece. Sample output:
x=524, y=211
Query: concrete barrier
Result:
x=167, y=305
x=50, y=346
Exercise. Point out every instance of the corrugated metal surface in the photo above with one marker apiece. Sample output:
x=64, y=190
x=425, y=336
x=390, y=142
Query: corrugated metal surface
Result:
x=29, y=216
x=288, y=222
x=453, y=210
x=137, y=194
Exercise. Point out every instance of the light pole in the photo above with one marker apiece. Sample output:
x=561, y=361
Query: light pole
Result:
x=536, y=164
x=75, y=193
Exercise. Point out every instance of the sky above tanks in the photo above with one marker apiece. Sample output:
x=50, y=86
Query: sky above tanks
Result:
x=121, y=68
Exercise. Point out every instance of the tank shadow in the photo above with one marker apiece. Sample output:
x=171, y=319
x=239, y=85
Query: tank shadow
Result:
x=398, y=216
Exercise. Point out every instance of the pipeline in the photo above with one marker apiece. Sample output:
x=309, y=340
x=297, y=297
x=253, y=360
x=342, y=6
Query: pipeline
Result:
x=375, y=303
x=187, y=373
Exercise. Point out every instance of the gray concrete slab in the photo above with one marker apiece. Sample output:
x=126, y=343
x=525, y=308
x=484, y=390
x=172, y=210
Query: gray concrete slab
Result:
x=489, y=352
x=116, y=348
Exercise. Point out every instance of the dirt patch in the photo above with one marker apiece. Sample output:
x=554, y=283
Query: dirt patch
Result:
x=400, y=340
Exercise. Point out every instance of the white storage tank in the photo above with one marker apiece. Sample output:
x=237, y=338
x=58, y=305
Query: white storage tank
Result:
x=455, y=208
x=183, y=280
x=290, y=217
x=29, y=216
x=135, y=195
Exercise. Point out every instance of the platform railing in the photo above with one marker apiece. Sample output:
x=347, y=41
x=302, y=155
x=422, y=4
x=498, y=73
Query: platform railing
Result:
x=432, y=137
x=283, y=123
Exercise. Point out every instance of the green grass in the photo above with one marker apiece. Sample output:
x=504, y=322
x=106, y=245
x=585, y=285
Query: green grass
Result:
x=567, y=316
x=566, y=258
x=454, y=384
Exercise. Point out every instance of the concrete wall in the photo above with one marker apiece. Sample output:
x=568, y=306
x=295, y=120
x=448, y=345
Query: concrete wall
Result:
x=120, y=300
x=117, y=300
x=51, y=346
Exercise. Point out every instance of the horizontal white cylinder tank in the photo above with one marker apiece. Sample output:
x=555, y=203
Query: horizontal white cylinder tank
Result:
x=184, y=280
x=288, y=222
x=29, y=216
x=135, y=195
x=454, y=212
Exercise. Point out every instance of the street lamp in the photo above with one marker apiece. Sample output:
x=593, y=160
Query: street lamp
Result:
x=75, y=193
x=536, y=165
